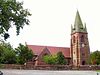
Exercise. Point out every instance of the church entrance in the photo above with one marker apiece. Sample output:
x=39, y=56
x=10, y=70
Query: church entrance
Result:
x=83, y=62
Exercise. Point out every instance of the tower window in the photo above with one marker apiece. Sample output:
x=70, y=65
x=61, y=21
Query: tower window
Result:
x=82, y=38
x=83, y=54
x=74, y=39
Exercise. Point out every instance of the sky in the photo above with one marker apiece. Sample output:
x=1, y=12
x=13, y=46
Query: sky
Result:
x=50, y=23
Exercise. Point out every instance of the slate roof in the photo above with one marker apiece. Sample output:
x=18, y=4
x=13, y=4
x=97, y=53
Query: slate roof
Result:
x=53, y=50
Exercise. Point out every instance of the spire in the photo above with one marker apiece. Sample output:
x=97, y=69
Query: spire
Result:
x=78, y=26
x=78, y=23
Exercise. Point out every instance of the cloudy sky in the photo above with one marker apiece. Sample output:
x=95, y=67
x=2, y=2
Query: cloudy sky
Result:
x=50, y=23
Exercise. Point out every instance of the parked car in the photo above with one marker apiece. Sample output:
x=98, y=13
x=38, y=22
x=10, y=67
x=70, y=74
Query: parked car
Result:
x=1, y=73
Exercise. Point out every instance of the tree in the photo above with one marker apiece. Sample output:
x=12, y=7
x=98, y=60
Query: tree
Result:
x=12, y=14
x=95, y=57
x=50, y=59
x=23, y=54
x=61, y=59
x=7, y=54
x=58, y=59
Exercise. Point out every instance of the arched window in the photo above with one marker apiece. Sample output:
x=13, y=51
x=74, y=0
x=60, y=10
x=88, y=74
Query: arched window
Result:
x=82, y=38
x=73, y=39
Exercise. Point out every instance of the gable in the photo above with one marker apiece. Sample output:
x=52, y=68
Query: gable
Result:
x=44, y=52
x=36, y=49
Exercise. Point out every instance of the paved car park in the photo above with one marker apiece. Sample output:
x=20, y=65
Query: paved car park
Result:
x=45, y=72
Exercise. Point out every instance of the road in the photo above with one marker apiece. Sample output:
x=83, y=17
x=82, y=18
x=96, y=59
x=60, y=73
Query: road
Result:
x=44, y=72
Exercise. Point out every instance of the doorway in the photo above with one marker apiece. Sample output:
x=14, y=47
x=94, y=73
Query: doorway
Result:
x=83, y=62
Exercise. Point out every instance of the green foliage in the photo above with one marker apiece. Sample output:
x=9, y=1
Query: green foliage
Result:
x=57, y=59
x=7, y=53
x=23, y=54
x=95, y=57
x=10, y=56
x=12, y=14
x=50, y=59
x=61, y=59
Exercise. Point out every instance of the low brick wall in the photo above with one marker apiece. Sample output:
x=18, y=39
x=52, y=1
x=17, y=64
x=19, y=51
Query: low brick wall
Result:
x=53, y=67
x=11, y=66
x=50, y=67
x=89, y=67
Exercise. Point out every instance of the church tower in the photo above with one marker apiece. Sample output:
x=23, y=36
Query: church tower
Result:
x=79, y=42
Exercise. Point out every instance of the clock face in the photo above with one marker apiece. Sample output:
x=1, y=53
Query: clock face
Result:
x=83, y=45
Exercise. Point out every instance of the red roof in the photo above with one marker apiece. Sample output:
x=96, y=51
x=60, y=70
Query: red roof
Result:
x=53, y=50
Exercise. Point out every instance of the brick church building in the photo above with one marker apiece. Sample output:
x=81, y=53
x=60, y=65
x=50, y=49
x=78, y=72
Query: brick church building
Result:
x=77, y=54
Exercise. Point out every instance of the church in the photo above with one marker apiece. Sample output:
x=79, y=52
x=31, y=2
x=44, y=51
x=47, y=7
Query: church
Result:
x=79, y=51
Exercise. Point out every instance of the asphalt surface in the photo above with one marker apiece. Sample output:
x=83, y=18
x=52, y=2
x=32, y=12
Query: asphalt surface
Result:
x=45, y=72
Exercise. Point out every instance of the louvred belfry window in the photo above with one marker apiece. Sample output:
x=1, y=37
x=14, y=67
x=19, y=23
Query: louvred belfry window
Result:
x=73, y=39
x=82, y=38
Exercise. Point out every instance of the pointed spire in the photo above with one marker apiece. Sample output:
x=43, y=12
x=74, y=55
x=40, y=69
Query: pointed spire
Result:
x=78, y=23
x=78, y=26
